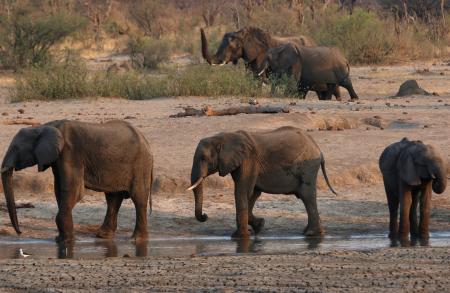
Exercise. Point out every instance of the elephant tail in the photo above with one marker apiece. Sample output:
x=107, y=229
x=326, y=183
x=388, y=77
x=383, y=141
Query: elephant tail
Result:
x=322, y=164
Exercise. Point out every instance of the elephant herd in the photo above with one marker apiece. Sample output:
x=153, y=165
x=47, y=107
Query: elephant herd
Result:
x=321, y=69
x=115, y=158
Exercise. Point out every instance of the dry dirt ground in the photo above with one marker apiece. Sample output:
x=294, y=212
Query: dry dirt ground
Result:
x=351, y=136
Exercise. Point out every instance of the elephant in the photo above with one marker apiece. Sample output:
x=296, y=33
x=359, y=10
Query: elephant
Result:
x=411, y=170
x=322, y=69
x=112, y=157
x=285, y=160
x=250, y=44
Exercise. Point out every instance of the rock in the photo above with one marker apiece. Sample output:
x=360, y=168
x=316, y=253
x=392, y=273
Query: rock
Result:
x=411, y=87
x=21, y=111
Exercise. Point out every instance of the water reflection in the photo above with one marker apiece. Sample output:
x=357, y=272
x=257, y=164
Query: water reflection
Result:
x=204, y=246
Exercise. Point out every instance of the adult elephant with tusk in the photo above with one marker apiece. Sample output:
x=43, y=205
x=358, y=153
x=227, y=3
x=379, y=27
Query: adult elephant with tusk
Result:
x=113, y=157
x=282, y=161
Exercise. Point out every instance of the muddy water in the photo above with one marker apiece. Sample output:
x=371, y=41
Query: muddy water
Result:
x=204, y=246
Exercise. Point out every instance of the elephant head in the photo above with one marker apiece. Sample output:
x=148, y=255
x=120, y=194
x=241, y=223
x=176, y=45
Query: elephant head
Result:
x=285, y=59
x=230, y=49
x=221, y=153
x=39, y=145
x=423, y=162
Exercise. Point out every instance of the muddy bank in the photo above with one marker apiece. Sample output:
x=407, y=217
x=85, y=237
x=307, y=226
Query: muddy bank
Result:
x=387, y=270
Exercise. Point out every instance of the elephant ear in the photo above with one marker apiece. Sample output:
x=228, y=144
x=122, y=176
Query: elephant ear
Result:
x=233, y=150
x=50, y=143
x=407, y=168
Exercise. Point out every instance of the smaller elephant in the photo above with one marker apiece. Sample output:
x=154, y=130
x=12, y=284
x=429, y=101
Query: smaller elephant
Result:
x=411, y=170
x=113, y=157
x=322, y=69
x=282, y=161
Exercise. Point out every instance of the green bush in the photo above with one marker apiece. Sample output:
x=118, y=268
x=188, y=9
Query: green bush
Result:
x=70, y=80
x=67, y=79
x=153, y=51
x=26, y=39
x=362, y=36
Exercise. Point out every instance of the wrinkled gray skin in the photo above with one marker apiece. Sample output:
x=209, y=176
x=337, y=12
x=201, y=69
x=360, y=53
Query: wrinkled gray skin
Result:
x=411, y=170
x=250, y=44
x=113, y=157
x=322, y=69
x=282, y=161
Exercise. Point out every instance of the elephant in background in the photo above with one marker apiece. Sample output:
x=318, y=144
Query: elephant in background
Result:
x=282, y=161
x=250, y=44
x=113, y=157
x=322, y=69
x=411, y=170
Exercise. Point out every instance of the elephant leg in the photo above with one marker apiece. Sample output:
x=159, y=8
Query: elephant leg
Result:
x=347, y=84
x=337, y=93
x=413, y=224
x=139, y=195
x=331, y=88
x=307, y=193
x=405, y=207
x=244, y=184
x=256, y=223
x=68, y=188
x=425, y=205
x=321, y=95
x=109, y=226
x=393, y=203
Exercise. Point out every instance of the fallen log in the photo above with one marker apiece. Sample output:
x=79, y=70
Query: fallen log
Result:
x=209, y=111
x=31, y=122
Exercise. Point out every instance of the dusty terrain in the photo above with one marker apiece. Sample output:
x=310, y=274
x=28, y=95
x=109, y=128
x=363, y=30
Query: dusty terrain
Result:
x=351, y=136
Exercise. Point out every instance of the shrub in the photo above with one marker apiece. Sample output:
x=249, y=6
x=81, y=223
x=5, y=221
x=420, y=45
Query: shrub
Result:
x=67, y=79
x=26, y=39
x=153, y=51
x=362, y=36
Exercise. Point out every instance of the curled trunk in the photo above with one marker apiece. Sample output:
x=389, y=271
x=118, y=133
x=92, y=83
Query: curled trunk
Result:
x=7, y=180
x=205, y=51
x=440, y=183
x=212, y=60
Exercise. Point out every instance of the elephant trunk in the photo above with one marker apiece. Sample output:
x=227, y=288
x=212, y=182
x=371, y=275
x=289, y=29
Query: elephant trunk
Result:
x=7, y=180
x=212, y=60
x=197, y=175
x=440, y=182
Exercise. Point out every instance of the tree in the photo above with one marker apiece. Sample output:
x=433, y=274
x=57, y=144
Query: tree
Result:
x=26, y=38
x=148, y=15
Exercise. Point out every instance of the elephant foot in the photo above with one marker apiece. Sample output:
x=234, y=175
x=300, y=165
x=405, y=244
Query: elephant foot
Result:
x=140, y=236
x=338, y=99
x=239, y=235
x=60, y=239
x=311, y=232
x=105, y=234
x=393, y=235
x=257, y=224
x=354, y=99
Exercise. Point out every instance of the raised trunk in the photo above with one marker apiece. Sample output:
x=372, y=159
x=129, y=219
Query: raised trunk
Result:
x=198, y=171
x=7, y=180
x=440, y=183
x=205, y=51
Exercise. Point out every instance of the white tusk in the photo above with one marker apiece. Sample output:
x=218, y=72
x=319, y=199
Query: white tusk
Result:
x=222, y=64
x=4, y=169
x=262, y=71
x=195, y=184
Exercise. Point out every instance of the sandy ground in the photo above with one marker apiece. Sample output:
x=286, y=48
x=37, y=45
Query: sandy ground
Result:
x=351, y=136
